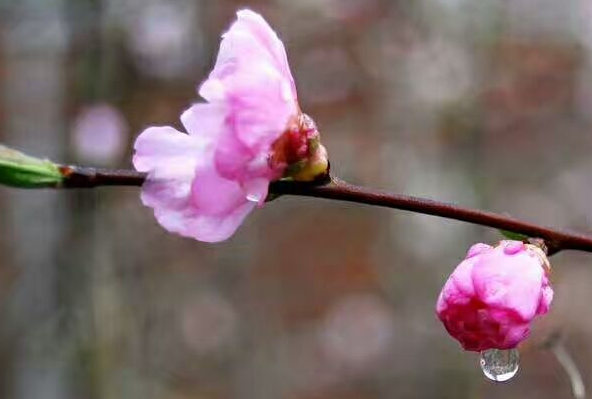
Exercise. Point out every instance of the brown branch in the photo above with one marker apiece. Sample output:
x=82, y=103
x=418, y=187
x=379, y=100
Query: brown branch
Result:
x=83, y=177
x=335, y=189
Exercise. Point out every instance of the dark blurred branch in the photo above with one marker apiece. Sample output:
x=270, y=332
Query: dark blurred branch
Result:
x=556, y=240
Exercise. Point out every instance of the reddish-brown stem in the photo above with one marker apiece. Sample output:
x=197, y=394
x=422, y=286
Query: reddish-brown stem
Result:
x=84, y=177
x=335, y=189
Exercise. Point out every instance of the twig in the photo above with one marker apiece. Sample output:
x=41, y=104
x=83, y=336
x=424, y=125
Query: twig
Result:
x=335, y=189
x=555, y=343
x=571, y=369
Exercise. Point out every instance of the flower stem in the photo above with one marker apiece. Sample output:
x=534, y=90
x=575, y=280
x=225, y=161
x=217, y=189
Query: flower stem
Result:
x=336, y=189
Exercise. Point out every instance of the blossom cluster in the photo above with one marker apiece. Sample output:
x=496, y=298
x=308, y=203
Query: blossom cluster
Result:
x=251, y=132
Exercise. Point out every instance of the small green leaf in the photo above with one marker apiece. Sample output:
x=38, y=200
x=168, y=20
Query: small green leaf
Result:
x=510, y=235
x=20, y=170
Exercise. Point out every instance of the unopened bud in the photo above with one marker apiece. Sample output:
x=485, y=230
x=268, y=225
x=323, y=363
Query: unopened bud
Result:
x=21, y=170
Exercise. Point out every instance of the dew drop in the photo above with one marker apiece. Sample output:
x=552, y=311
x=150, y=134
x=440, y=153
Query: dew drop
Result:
x=500, y=365
x=253, y=197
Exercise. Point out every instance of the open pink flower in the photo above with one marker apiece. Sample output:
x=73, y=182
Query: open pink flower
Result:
x=249, y=133
x=493, y=295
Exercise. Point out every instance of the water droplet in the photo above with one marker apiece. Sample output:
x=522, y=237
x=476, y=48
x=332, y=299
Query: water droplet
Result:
x=253, y=197
x=500, y=365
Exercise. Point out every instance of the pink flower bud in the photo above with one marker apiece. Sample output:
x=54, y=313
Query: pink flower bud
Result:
x=493, y=295
x=249, y=133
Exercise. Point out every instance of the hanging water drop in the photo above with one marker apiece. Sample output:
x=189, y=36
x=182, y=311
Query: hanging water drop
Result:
x=253, y=197
x=500, y=365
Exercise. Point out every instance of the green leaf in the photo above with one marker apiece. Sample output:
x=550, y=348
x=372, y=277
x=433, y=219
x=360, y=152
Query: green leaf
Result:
x=510, y=235
x=20, y=170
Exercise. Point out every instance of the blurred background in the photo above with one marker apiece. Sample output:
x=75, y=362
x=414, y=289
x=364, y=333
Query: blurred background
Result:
x=486, y=103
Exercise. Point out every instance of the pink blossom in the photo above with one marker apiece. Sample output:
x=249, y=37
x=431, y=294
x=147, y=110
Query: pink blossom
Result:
x=250, y=132
x=493, y=295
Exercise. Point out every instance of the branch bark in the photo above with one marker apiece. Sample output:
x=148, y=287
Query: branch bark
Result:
x=336, y=189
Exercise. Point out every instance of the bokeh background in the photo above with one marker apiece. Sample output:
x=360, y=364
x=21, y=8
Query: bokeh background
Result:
x=487, y=103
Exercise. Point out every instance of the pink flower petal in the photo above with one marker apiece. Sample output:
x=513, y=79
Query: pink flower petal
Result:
x=496, y=283
x=167, y=153
x=205, y=120
x=218, y=227
x=232, y=157
x=262, y=31
x=252, y=75
x=194, y=213
x=187, y=222
x=171, y=158
x=462, y=278
x=213, y=194
x=250, y=43
x=546, y=297
x=477, y=249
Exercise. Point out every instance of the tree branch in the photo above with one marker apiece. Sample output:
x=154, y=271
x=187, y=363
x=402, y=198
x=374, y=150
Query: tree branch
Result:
x=335, y=189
